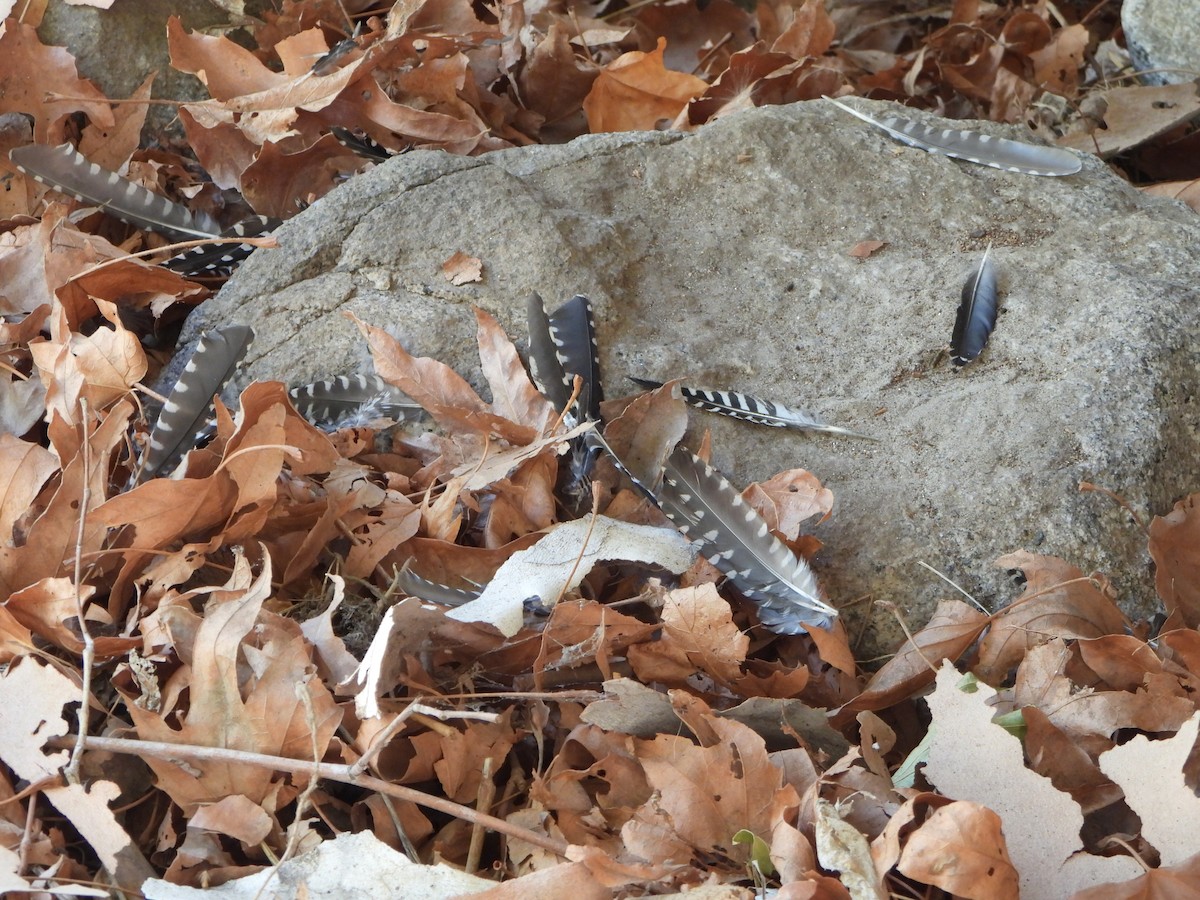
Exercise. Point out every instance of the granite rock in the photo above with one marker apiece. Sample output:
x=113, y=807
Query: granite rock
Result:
x=724, y=257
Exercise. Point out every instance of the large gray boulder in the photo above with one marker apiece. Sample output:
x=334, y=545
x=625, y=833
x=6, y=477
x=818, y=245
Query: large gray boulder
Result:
x=724, y=257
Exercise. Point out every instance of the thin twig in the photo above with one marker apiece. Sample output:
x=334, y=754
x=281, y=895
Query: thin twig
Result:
x=891, y=607
x=483, y=802
x=173, y=753
x=979, y=606
x=71, y=772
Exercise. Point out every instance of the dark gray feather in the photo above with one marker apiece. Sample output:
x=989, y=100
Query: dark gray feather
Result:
x=976, y=313
x=68, y=171
x=573, y=333
x=211, y=365
x=430, y=591
x=367, y=397
x=754, y=409
x=999, y=153
x=736, y=539
x=544, y=364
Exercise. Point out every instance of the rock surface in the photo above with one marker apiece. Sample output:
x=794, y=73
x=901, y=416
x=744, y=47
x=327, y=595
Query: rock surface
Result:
x=1163, y=34
x=724, y=257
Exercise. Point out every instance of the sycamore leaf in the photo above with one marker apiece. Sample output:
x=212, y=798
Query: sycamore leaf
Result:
x=971, y=758
x=561, y=559
x=1151, y=774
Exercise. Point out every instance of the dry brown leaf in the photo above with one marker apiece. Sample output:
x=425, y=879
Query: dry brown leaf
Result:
x=1135, y=115
x=439, y=389
x=789, y=499
x=1050, y=607
x=699, y=634
x=42, y=82
x=864, y=249
x=704, y=795
x=513, y=395
x=1185, y=191
x=1175, y=548
x=460, y=269
x=952, y=629
x=960, y=849
x=636, y=92
x=267, y=708
x=1053, y=754
x=1181, y=882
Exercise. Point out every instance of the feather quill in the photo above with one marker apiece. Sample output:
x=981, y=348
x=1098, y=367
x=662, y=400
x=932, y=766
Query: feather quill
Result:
x=976, y=313
x=334, y=401
x=211, y=365
x=999, y=153
x=68, y=171
x=736, y=539
x=754, y=409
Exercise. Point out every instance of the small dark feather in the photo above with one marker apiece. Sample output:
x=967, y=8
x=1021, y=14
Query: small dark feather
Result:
x=361, y=144
x=976, y=313
x=573, y=332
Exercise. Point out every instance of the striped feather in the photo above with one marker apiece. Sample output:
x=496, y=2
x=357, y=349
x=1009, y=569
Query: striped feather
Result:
x=754, y=409
x=68, y=171
x=221, y=259
x=363, y=397
x=573, y=333
x=705, y=507
x=999, y=153
x=976, y=313
x=736, y=539
x=430, y=591
x=211, y=365
x=544, y=363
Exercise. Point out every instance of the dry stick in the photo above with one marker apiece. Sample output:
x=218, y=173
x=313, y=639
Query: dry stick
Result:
x=1087, y=486
x=27, y=834
x=419, y=712
x=978, y=605
x=483, y=802
x=71, y=772
x=173, y=753
x=891, y=607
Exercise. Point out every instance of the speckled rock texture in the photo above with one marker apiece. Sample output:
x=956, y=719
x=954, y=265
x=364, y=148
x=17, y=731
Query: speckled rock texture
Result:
x=724, y=257
x=1163, y=34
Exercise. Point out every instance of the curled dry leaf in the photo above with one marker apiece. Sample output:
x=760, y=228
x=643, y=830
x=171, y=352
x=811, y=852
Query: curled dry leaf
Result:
x=947, y=635
x=1058, y=602
x=460, y=269
x=1175, y=548
x=636, y=92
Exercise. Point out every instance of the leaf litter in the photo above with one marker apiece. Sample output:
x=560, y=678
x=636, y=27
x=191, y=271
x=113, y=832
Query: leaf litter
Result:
x=260, y=694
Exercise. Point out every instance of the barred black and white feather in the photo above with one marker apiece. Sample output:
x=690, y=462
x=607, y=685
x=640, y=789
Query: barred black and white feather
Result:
x=211, y=365
x=976, y=313
x=562, y=347
x=221, y=259
x=352, y=399
x=999, y=153
x=754, y=409
x=736, y=539
x=68, y=171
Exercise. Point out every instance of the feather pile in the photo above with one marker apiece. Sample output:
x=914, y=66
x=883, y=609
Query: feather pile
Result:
x=976, y=313
x=999, y=153
x=754, y=409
